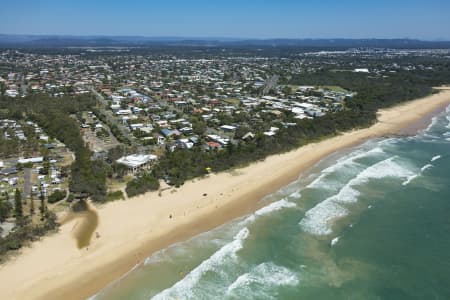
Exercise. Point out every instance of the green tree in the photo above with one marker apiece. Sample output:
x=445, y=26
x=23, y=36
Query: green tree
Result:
x=119, y=170
x=42, y=206
x=44, y=152
x=116, y=153
x=5, y=209
x=56, y=196
x=2, y=88
x=45, y=167
x=241, y=131
x=18, y=204
x=287, y=90
x=142, y=184
x=199, y=127
x=31, y=207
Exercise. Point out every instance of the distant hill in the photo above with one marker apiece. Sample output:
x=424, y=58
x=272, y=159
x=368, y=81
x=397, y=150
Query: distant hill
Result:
x=61, y=41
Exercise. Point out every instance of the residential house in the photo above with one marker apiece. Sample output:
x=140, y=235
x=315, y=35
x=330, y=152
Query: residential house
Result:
x=137, y=162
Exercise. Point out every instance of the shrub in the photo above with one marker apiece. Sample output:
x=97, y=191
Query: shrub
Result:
x=113, y=196
x=56, y=196
x=145, y=183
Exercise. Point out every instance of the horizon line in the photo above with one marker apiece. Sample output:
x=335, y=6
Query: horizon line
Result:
x=222, y=37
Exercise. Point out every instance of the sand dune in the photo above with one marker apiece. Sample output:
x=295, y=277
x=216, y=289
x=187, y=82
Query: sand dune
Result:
x=55, y=268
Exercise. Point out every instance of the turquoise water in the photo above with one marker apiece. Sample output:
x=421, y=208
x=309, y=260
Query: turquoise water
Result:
x=371, y=223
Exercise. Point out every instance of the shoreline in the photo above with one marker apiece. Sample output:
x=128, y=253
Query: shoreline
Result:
x=130, y=231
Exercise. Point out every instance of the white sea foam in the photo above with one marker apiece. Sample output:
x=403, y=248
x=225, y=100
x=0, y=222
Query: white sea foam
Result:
x=385, y=168
x=296, y=194
x=275, y=206
x=435, y=158
x=423, y=169
x=346, y=161
x=181, y=249
x=409, y=179
x=426, y=167
x=183, y=289
x=265, y=277
x=432, y=137
x=318, y=219
x=158, y=256
x=434, y=121
x=334, y=241
x=283, y=203
x=318, y=182
x=362, y=153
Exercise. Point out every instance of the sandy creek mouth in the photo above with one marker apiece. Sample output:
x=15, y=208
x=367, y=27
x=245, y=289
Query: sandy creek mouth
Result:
x=85, y=224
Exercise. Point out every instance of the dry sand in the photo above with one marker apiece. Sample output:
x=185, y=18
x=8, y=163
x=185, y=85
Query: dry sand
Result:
x=55, y=268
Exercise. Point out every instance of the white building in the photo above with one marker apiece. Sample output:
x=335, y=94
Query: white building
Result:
x=123, y=112
x=218, y=139
x=33, y=160
x=137, y=162
x=11, y=93
x=228, y=128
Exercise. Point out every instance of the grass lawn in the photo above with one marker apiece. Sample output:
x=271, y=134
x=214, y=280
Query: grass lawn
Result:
x=233, y=101
x=334, y=88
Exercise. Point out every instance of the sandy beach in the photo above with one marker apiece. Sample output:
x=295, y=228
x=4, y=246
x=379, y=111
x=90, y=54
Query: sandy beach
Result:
x=129, y=231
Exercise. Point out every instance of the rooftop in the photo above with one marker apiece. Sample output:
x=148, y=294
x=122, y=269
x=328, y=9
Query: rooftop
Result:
x=136, y=160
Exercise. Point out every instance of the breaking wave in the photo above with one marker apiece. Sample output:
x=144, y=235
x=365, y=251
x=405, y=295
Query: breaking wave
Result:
x=275, y=206
x=409, y=179
x=344, y=162
x=426, y=167
x=335, y=241
x=433, y=123
x=435, y=158
x=184, y=289
x=318, y=220
x=423, y=169
x=260, y=282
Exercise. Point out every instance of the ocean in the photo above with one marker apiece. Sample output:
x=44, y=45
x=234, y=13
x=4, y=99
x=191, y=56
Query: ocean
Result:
x=372, y=222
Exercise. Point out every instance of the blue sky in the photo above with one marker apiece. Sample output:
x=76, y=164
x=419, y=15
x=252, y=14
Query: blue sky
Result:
x=230, y=18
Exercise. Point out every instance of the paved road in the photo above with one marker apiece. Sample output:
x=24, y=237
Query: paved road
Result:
x=270, y=83
x=113, y=120
x=27, y=183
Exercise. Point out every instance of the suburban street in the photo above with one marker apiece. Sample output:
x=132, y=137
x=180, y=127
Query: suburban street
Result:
x=110, y=117
x=27, y=182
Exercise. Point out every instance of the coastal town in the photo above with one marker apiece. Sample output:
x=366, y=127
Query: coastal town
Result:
x=148, y=106
x=166, y=150
x=92, y=125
